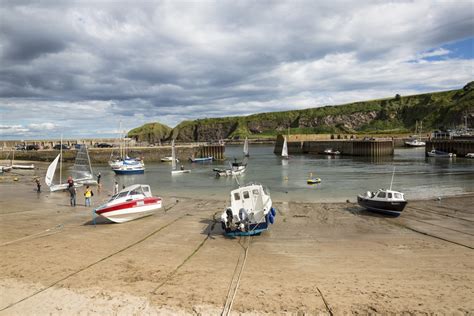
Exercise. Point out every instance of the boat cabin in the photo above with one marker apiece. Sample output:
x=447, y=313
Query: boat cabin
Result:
x=386, y=195
x=133, y=191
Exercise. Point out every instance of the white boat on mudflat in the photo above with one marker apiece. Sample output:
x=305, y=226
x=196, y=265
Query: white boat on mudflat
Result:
x=250, y=211
x=133, y=202
x=415, y=143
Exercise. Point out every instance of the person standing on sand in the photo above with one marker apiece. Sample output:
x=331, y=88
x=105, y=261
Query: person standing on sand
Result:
x=72, y=193
x=116, y=188
x=70, y=182
x=38, y=185
x=88, y=194
x=98, y=179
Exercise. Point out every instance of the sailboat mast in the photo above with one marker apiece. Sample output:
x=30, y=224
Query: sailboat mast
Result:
x=61, y=160
x=391, y=182
x=89, y=160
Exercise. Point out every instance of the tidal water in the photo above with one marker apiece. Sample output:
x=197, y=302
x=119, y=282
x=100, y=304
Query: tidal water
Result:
x=342, y=177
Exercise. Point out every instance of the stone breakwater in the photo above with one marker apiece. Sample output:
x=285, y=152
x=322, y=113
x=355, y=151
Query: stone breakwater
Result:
x=102, y=155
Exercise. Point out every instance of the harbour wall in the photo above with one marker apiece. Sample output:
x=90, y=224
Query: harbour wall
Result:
x=102, y=155
x=459, y=146
x=368, y=147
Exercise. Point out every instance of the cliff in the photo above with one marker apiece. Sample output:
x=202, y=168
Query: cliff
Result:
x=392, y=115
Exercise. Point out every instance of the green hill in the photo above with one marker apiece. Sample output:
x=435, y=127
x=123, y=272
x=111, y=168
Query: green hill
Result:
x=151, y=132
x=392, y=115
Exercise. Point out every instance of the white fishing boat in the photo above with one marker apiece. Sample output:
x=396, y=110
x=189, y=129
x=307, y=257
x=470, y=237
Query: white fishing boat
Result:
x=246, y=147
x=82, y=169
x=250, y=211
x=174, y=169
x=284, y=150
x=133, y=202
x=383, y=201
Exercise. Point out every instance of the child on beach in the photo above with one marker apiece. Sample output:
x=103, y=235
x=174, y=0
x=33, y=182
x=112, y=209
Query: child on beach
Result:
x=88, y=194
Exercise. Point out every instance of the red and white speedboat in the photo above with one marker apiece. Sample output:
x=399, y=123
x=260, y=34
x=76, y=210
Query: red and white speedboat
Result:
x=132, y=202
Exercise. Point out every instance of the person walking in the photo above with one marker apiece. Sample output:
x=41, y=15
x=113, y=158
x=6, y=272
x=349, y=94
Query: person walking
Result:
x=72, y=193
x=98, y=179
x=116, y=188
x=88, y=194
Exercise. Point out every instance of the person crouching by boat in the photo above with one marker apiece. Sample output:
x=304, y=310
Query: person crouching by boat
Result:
x=88, y=194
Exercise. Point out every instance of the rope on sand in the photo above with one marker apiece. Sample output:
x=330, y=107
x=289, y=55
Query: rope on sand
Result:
x=54, y=229
x=231, y=298
x=172, y=273
x=94, y=263
x=328, y=308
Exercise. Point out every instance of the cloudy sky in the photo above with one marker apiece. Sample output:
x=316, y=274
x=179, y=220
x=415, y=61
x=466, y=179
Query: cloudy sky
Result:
x=78, y=68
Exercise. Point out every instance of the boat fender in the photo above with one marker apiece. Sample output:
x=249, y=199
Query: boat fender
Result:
x=272, y=210
x=271, y=219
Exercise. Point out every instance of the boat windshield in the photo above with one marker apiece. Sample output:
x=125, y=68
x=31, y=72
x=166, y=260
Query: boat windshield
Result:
x=381, y=194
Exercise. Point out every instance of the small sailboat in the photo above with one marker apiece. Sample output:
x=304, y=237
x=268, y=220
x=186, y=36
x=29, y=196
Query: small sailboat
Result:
x=18, y=166
x=250, y=211
x=284, y=150
x=49, y=178
x=133, y=202
x=414, y=141
x=125, y=165
x=82, y=169
x=173, y=161
x=383, y=201
x=246, y=147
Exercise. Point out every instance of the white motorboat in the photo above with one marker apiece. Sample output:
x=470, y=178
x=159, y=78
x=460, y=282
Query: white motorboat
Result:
x=133, y=202
x=174, y=169
x=250, y=211
x=22, y=166
x=415, y=143
x=470, y=155
x=128, y=166
x=331, y=152
x=236, y=168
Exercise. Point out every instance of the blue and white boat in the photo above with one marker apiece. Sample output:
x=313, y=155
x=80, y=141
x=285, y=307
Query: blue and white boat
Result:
x=440, y=154
x=250, y=211
x=203, y=159
x=128, y=166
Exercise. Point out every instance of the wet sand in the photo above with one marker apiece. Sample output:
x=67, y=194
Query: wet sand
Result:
x=316, y=259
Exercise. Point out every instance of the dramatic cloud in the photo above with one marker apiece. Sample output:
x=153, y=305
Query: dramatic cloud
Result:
x=79, y=69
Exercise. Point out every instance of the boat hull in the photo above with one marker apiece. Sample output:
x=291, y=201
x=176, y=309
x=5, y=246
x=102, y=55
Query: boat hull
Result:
x=201, y=159
x=129, y=171
x=131, y=210
x=387, y=207
x=25, y=167
x=180, y=171
x=63, y=186
x=255, y=229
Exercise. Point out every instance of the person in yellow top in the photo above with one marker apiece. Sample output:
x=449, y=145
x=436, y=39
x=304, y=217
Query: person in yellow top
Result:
x=88, y=194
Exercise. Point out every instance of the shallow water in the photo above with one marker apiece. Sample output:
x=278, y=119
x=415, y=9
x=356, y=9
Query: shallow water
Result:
x=342, y=177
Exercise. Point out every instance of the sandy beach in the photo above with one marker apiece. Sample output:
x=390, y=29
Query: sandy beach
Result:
x=317, y=259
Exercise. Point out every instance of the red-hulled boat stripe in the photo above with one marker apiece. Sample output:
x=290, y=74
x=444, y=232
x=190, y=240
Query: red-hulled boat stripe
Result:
x=126, y=205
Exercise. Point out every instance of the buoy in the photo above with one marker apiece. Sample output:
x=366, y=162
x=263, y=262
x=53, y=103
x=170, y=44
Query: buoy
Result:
x=15, y=179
